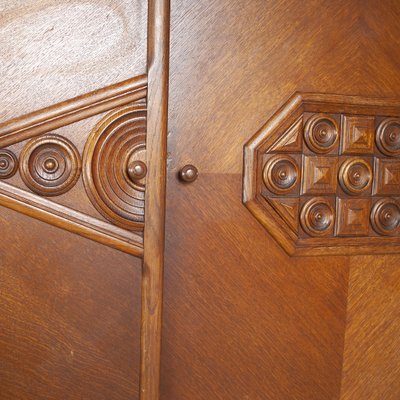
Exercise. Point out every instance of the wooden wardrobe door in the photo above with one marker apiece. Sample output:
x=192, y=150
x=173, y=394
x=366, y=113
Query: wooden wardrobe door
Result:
x=252, y=309
x=83, y=117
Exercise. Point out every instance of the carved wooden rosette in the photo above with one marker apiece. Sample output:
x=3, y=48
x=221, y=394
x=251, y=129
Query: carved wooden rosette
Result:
x=388, y=137
x=323, y=175
x=385, y=217
x=355, y=176
x=8, y=164
x=321, y=133
x=50, y=165
x=281, y=174
x=114, y=166
x=317, y=217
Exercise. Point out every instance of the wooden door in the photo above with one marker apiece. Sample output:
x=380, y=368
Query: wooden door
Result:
x=82, y=186
x=247, y=313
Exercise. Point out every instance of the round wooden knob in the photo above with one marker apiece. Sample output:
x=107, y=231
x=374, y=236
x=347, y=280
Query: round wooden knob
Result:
x=281, y=174
x=385, y=217
x=388, y=137
x=188, y=173
x=321, y=133
x=317, y=217
x=355, y=176
x=136, y=170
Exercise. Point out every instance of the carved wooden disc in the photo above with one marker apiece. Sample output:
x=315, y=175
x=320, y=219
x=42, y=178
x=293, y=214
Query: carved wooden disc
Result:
x=321, y=133
x=8, y=164
x=388, y=137
x=355, y=176
x=280, y=174
x=115, y=145
x=50, y=165
x=317, y=217
x=385, y=217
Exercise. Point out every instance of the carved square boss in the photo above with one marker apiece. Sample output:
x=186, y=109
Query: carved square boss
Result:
x=387, y=177
x=357, y=134
x=320, y=175
x=353, y=217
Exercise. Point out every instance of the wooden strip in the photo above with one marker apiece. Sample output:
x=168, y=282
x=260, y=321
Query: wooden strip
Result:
x=73, y=110
x=153, y=261
x=74, y=221
x=336, y=103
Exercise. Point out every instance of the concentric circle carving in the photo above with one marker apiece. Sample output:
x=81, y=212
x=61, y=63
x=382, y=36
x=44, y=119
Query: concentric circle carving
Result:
x=385, y=217
x=50, y=165
x=115, y=169
x=281, y=174
x=8, y=164
x=355, y=176
x=321, y=133
x=317, y=217
x=388, y=137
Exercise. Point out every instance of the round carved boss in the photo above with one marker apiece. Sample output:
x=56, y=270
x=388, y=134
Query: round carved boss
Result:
x=388, y=137
x=50, y=165
x=114, y=166
x=321, y=133
x=281, y=174
x=8, y=164
x=385, y=217
x=355, y=176
x=317, y=217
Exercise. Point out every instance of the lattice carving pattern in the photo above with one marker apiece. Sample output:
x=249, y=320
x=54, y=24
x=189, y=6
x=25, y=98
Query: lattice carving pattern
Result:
x=326, y=174
x=342, y=177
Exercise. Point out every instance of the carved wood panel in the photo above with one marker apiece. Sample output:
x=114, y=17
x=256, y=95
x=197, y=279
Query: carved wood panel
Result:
x=120, y=170
x=323, y=175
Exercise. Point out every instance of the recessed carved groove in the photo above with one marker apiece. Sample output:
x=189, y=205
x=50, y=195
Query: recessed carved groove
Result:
x=66, y=218
x=346, y=197
x=116, y=143
x=73, y=110
x=8, y=164
x=50, y=165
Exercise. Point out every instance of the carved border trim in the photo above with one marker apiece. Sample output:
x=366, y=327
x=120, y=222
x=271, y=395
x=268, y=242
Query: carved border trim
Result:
x=154, y=236
x=66, y=218
x=67, y=112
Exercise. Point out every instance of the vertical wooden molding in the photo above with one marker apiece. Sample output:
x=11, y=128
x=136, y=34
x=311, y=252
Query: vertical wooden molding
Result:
x=153, y=261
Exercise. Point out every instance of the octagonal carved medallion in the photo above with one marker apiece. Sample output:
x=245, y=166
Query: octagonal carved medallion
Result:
x=323, y=175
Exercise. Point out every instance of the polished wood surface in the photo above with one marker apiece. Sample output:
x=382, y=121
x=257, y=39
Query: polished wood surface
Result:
x=70, y=315
x=154, y=235
x=242, y=319
x=56, y=50
x=74, y=164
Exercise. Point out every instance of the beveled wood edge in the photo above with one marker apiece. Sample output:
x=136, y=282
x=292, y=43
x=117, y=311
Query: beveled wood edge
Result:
x=253, y=145
x=335, y=103
x=154, y=235
x=67, y=112
x=68, y=219
x=285, y=239
x=310, y=102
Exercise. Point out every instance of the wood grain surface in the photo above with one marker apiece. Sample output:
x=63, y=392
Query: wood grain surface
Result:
x=242, y=319
x=154, y=228
x=70, y=315
x=56, y=50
